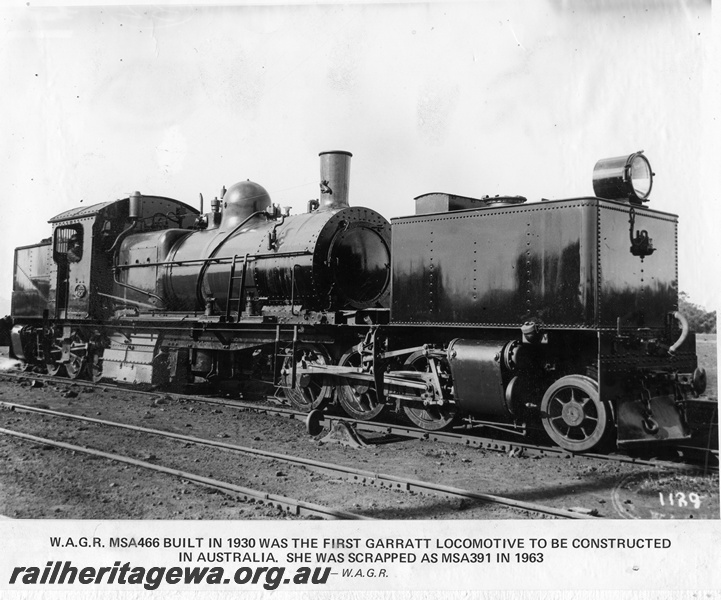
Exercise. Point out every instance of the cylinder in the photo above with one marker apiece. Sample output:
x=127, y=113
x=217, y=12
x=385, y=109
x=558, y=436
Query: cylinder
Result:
x=477, y=377
x=334, y=179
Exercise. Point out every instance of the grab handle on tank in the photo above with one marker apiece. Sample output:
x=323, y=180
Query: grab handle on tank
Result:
x=684, y=332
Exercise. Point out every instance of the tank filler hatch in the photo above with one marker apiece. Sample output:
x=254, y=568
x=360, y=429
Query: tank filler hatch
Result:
x=440, y=202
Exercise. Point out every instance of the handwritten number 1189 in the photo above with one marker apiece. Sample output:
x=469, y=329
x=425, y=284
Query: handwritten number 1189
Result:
x=679, y=499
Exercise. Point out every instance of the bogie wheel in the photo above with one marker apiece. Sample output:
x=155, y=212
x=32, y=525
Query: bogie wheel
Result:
x=432, y=417
x=358, y=398
x=52, y=355
x=55, y=369
x=573, y=414
x=78, y=356
x=306, y=394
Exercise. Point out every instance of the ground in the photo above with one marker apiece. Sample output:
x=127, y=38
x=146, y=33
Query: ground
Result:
x=39, y=481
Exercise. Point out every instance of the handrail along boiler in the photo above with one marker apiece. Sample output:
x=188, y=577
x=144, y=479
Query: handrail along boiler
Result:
x=496, y=311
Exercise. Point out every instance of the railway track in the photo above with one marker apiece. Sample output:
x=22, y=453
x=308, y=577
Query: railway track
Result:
x=702, y=458
x=351, y=474
x=290, y=505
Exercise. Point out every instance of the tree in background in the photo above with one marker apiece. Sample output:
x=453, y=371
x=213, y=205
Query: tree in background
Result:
x=699, y=319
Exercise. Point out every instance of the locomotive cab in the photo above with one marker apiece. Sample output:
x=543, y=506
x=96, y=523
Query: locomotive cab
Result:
x=69, y=279
x=84, y=241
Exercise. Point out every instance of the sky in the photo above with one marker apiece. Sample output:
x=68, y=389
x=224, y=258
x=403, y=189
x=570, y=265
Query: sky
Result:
x=488, y=97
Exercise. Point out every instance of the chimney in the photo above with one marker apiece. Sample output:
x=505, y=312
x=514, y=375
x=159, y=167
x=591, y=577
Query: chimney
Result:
x=334, y=179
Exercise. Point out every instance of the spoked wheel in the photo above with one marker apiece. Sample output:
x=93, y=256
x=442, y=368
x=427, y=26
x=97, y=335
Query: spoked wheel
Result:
x=573, y=414
x=55, y=369
x=309, y=392
x=53, y=353
x=432, y=417
x=358, y=398
x=78, y=360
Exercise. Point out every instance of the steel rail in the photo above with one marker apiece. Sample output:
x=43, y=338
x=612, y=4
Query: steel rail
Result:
x=290, y=505
x=505, y=446
x=349, y=473
x=474, y=441
x=453, y=437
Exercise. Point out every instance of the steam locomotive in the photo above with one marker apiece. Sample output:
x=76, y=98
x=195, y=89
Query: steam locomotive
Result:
x=558, y=315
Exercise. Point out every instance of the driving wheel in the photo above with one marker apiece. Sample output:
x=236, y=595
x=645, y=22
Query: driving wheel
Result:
x=308, y=393
x=432, y=417
x=358, y=398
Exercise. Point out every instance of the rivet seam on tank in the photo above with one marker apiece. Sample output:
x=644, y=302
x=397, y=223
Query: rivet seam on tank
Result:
x=430, y=276
x=475, y=271
x=528, y=266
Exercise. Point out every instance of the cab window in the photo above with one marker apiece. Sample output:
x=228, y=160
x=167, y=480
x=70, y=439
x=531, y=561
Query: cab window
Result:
x=68, y=243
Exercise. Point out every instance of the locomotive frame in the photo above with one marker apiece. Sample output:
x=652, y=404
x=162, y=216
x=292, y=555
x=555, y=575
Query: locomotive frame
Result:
x=502, y=313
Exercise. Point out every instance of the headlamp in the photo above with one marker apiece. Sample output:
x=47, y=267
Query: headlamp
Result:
x=623, y=178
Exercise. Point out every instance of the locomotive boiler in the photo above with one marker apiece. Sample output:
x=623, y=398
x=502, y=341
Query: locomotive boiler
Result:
x=558, y=316
x=333, y=257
